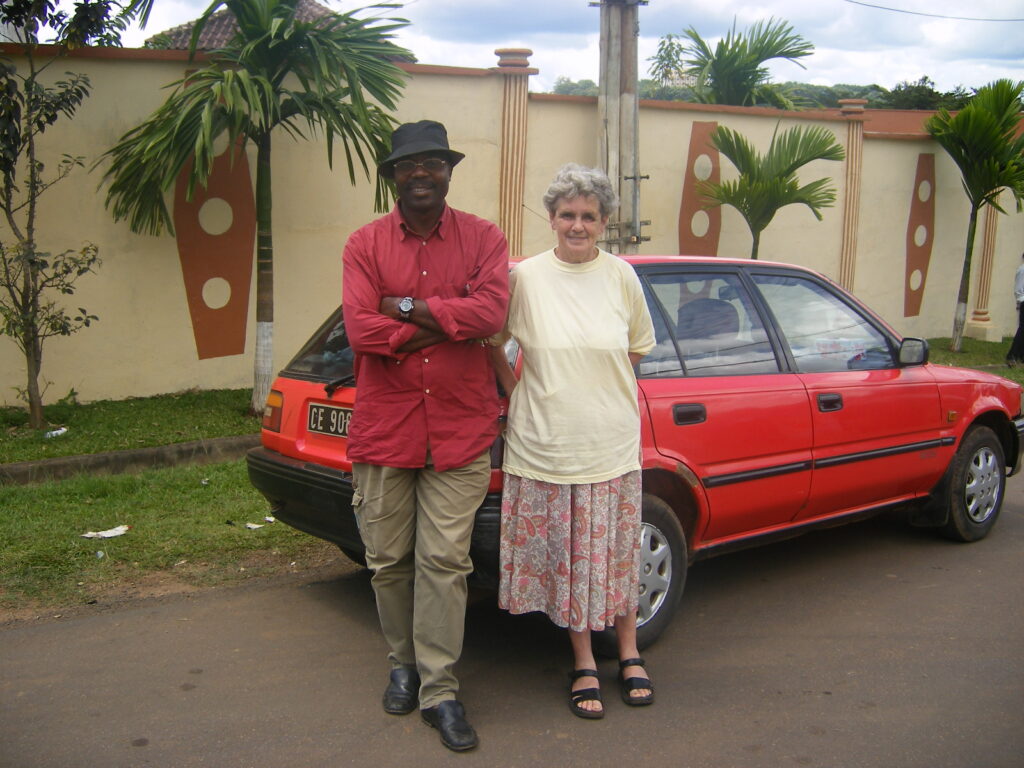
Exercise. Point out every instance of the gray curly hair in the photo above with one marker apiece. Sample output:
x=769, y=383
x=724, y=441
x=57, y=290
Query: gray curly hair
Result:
x=574, y=180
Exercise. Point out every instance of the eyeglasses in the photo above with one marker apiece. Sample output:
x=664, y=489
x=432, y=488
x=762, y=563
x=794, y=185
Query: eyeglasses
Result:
x=430, y=165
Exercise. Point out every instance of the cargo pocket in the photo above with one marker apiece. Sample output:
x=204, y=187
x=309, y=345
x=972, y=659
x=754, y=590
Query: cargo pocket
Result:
x=357, y=511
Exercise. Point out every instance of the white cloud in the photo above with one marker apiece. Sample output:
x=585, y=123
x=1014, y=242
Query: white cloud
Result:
x=854, y=44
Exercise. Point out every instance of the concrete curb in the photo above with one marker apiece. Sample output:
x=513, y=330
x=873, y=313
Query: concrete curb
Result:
x=116, y=462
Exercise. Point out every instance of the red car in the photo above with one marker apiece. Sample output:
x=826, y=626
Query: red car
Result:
x=773, y=403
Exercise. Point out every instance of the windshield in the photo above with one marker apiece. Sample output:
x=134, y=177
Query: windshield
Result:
x=327, y=355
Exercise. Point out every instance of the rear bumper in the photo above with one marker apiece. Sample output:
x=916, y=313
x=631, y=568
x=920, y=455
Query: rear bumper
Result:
x=318, y=500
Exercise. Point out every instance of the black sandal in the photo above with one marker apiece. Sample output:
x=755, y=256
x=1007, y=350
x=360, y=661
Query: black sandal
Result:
x=584, y=694
x=629, y=684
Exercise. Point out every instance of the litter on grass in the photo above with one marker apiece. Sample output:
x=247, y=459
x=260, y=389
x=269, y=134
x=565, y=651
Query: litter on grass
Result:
x=253, y=526
x=56, y=432
x=107, y=534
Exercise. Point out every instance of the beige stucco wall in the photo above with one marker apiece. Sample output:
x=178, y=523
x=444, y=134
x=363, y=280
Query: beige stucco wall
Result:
x=143, y=343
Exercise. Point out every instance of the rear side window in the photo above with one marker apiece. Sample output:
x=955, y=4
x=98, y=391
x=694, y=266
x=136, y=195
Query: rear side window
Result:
x=708, y=321
x=824, y=333
x=327, y=355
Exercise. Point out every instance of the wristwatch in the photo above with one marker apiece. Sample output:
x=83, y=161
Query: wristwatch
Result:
x=405, y=309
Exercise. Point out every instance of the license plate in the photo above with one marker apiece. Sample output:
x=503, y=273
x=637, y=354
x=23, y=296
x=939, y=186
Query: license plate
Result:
x=328, y=420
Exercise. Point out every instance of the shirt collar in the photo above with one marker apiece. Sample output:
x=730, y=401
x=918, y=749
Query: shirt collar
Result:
x=439, y=229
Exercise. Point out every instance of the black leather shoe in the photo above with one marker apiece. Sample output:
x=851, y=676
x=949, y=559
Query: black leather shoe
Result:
x=402, y=694
x=449, y=717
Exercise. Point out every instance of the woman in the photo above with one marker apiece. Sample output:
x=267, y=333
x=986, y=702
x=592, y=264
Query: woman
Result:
x=570, y=513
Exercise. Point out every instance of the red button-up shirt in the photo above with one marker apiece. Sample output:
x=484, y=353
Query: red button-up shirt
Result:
x=442, y=397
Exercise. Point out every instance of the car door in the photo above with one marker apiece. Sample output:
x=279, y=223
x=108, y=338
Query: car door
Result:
x=720, y=403
x=876, y=424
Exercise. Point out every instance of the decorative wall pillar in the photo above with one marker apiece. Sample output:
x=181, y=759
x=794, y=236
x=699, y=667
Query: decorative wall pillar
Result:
x=853, y=111
x=979, y=325
x=920, y=235
x=514, y=65
x=700, y=227
x=215, y=233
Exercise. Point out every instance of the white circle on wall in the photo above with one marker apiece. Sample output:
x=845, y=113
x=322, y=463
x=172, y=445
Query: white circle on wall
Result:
x=700, y=223
x=920, y=235
x=924, y=190
x=220, y=144
x=702, y=167
x=215, y=216
x=216, y=292
x=916, y=279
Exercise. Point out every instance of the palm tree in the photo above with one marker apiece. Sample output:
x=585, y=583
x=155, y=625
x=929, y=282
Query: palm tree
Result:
x=734, y=72
x=768, y=183
x=982, y=139
x=275, y=72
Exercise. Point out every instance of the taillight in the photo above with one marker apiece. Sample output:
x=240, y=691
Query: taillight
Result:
x=272, y=411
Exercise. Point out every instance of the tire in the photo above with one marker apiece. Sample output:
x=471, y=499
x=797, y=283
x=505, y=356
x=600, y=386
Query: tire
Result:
x=663, y=560
x=975, y=487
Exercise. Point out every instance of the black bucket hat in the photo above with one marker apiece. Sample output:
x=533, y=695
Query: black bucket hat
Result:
x=414, y=138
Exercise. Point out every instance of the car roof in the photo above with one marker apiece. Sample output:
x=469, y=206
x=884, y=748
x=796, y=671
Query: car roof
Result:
x=638, y=259
x=643, y=260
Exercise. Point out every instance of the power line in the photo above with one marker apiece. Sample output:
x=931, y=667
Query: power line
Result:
x=920, y=13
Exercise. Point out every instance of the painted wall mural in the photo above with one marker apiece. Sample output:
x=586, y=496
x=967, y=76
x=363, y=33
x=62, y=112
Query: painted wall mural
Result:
x=700, y=228
x=920, y=234
x=216, y=232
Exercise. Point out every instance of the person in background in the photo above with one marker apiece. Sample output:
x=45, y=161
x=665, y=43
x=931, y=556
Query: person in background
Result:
x=1016, y=353
x=421, y=287
x=570, y=512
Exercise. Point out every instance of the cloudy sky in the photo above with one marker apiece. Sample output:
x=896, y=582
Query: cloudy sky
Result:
x=855, y=42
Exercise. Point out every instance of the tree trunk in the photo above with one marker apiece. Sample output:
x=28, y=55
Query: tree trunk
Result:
x=755, y=244
x=33, y=365
x=264, y=359
x=960, y=316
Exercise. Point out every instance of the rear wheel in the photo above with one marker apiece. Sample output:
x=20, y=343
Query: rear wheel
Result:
x=974, y=491
x=663, y=560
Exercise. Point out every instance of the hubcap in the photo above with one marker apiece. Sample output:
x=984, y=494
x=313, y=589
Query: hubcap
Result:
x=981, y=493
x=655, y=572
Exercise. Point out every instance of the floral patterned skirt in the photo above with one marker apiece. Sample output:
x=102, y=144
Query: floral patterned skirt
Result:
x=571, y=551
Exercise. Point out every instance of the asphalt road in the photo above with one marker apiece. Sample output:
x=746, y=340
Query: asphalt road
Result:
x=870, y=645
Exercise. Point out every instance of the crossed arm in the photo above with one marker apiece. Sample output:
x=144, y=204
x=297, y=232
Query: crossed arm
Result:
x=428, y=331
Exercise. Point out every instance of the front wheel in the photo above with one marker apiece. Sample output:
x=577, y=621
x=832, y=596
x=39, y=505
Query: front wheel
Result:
x=663, y=560
x=974, y=491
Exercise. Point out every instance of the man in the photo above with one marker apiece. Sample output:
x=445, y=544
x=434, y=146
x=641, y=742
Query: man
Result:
x=422, y=287
x=1016, y=353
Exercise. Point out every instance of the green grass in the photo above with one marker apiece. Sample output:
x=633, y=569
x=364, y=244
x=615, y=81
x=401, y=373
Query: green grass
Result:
x=112, y=425
x=984, y=355
x=187, y=527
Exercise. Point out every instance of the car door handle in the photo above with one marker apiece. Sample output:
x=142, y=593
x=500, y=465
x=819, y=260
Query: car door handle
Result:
x=830, y=401
x=689, y=413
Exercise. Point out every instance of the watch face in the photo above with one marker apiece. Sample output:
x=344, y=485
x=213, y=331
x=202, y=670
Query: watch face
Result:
x=405, y=305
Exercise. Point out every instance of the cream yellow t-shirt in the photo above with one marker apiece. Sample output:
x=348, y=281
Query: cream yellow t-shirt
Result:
x=573, y=416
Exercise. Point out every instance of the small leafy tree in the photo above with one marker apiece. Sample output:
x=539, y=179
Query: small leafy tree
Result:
x=769, y=182
x=30, y=277
x=734, y=72
x=922, y=95
x=983, y=140
x=336, y=75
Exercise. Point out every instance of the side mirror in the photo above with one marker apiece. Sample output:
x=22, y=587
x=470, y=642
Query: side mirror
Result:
x=913, y=351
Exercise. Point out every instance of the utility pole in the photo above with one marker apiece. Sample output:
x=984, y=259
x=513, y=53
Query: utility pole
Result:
x=618, y=112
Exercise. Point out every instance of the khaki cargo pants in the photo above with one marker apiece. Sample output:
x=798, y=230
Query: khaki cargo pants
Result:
x=416, y=525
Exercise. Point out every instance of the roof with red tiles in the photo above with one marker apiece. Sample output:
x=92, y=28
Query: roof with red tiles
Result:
x=221, y=27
